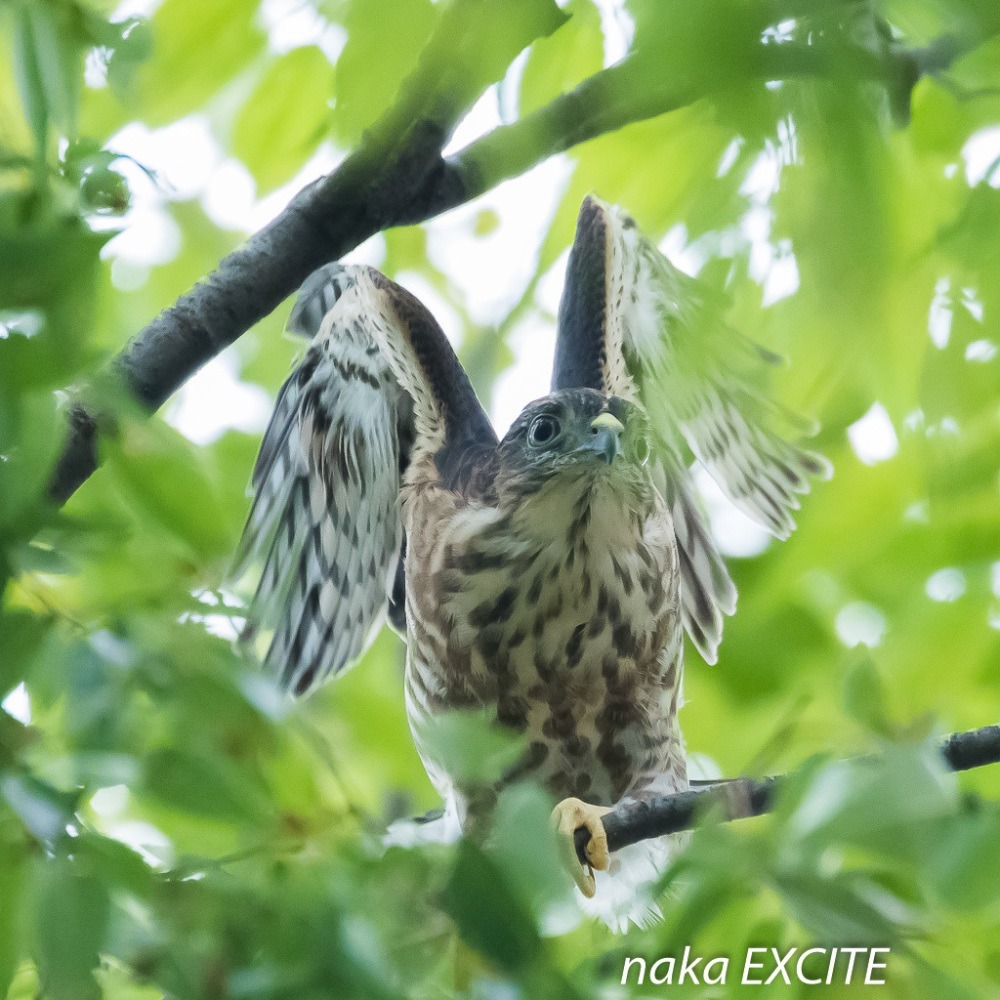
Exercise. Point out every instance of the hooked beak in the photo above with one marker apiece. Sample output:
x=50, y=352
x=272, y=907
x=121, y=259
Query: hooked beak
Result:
x=605, y=438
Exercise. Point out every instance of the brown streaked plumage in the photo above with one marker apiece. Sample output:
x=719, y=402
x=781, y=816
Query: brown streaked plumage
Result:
x=547, y=578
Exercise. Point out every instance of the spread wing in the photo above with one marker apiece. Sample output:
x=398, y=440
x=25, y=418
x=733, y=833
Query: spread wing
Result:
x=632, y=325
x=378, y=390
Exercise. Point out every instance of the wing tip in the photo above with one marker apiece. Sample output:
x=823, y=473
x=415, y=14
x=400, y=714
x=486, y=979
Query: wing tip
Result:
x=706, y=643
x=818, y=466
x=318, y=294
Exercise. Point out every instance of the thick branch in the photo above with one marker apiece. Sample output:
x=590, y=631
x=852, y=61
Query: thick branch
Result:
x=323, y=222
x=632, y=91
x=740, y=798
x=398, y=177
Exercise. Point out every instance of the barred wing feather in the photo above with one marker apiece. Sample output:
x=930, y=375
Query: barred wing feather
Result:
x=324, y=530
x=707, y=381
x=632, y=325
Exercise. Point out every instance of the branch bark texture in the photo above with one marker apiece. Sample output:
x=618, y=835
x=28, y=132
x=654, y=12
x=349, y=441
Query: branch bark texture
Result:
x=741, y=798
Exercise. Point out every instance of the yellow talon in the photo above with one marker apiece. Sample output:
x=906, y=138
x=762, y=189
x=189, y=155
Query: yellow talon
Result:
x=568, y=817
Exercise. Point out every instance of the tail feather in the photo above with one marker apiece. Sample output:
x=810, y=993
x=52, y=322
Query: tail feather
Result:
x=625, y=894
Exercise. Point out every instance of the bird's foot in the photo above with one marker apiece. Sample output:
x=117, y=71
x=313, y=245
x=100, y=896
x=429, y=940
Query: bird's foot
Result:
x=569, y=816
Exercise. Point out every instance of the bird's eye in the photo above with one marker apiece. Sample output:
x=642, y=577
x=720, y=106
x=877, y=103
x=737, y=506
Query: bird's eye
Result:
x=641, y=448
x=543, y=430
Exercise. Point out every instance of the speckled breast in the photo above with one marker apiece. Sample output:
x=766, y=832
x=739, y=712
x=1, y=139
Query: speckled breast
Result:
x=564, y=620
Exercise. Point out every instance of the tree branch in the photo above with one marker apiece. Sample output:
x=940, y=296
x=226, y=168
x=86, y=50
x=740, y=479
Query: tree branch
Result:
x=323, y=222
x=398, y=177
x=741, y=798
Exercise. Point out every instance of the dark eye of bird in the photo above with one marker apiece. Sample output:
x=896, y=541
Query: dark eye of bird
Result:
x=543, y=430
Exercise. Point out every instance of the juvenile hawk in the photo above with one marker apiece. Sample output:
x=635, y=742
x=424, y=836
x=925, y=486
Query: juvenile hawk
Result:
x=546, y=578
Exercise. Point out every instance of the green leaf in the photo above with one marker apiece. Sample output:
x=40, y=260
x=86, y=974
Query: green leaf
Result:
x=203, y=785
x=963, y=860
x=44, y=810
x=182, y=75
x=15, y=739
x=938, y=122
x=116, y=864
x=487, y=221
x=864, y=697
x=13, y=872
x=487, y=913
x=51, y=270
x=22, y=637
x=285, y=118
x=559, y=62
x=866, y=801
x=71, y=911
x=38, y=558
x=30, y=438
x=684, y=41
x=838, y=910
x=28, y=74
x=55, y=31
x=131, y=44
x=393, y=41
x=472, y=747
x=465, y=54
x=159, y=471
x=524, y=847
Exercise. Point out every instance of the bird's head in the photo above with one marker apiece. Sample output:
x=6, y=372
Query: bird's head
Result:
x=579, y=433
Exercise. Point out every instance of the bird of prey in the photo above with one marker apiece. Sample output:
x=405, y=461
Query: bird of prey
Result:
x=547, y=578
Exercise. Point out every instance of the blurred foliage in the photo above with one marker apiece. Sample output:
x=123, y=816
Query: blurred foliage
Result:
x=171, y=826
